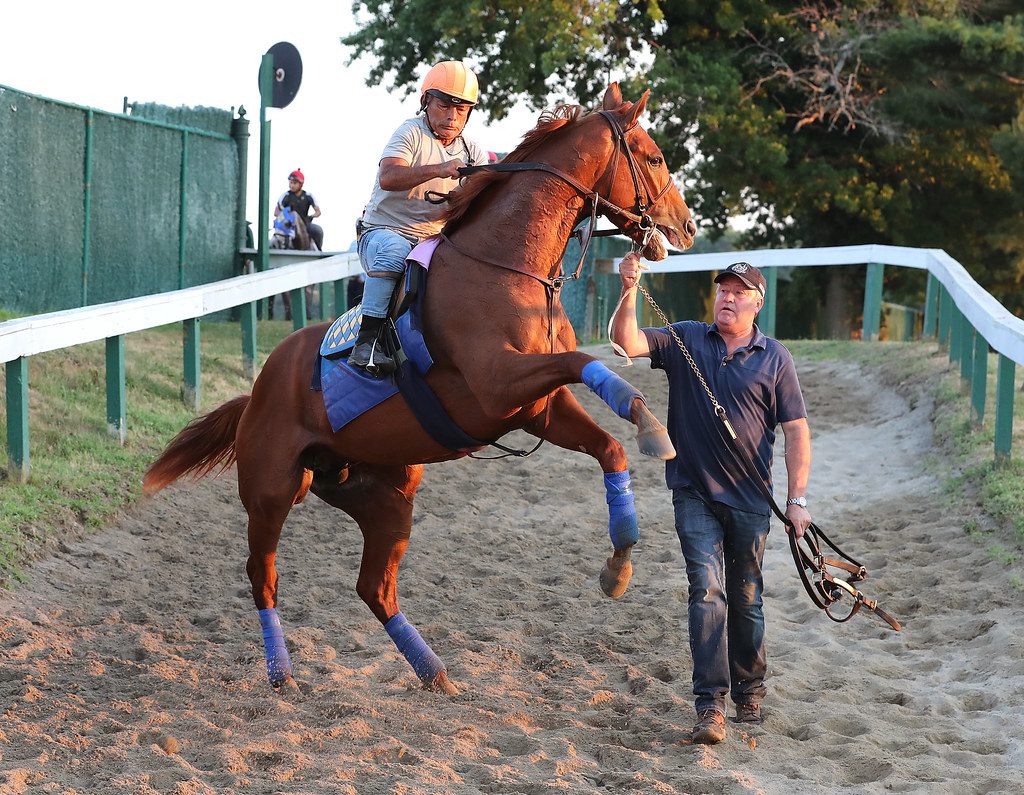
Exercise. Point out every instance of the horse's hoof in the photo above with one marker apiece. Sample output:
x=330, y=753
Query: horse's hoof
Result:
x=651, y=435
x=442, y=684
x=284, y=684
x=615, y=577
x=656, y=444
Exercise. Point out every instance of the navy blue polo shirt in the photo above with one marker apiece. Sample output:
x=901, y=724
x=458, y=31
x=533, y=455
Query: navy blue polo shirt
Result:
x=757, y=386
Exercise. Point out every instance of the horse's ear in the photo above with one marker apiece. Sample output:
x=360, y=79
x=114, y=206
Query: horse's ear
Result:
x=612, y=97
x=637, y=109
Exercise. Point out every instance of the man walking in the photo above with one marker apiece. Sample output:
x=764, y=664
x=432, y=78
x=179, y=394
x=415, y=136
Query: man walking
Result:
x=721, y=515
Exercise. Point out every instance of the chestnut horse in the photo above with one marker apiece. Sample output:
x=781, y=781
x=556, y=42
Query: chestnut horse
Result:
x=503, y=353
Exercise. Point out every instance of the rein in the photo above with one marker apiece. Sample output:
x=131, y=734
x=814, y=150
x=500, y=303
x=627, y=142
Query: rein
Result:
x=823, y=587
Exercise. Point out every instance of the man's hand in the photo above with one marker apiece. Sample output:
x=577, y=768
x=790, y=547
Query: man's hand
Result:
x=450, y=170
x=630, y=270
x=396, y=174
x=799, y=517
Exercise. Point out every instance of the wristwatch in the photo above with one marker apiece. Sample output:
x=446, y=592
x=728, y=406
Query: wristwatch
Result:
x=801, y=501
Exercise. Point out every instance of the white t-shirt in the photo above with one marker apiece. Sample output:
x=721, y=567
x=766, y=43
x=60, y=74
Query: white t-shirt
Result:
x=408, y=212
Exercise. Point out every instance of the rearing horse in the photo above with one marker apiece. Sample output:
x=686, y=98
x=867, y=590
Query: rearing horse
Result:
x=503, y=353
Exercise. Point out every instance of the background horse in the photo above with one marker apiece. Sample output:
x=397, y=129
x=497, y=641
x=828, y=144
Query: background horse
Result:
x=504, y=352
x=291, y=233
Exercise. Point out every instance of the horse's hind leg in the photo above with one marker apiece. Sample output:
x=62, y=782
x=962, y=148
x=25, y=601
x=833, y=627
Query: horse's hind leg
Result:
x=567, y=425
x=380, y=500
x=267, y=500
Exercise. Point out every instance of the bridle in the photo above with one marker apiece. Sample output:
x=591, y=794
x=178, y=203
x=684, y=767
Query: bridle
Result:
x=638, y=214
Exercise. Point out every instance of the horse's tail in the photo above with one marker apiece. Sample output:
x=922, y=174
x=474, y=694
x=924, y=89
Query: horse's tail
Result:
x=199, y=447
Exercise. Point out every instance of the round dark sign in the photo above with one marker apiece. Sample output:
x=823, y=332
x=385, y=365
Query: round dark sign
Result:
x=287, y=75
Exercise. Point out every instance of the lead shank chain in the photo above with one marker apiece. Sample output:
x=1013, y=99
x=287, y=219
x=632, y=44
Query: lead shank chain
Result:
x=719, y=410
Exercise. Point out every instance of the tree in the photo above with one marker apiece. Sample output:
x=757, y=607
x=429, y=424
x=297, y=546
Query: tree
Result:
x=828, y=123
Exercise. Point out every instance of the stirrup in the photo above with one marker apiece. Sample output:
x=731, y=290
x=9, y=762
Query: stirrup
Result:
x=377, y=364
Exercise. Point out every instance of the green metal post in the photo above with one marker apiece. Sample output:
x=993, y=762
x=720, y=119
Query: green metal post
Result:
x=766, y=318
x=117, y=415
x=1004, y=407
x=931, y=307
x=955, y=337
x=17, y=420
x=872, y=323
x=979, y=379
x=190, y=391
x=87, y=207
x=325, y=289
x=240, y=133
x=182, y=209
x=298, y=308
x=945, y=315
x=966, y=349
x=340, y=297
x=248, y=320
x=266, y=90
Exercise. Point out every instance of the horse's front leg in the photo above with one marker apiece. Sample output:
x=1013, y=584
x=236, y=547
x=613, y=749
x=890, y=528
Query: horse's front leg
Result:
x=509, y=380
x=566, y=424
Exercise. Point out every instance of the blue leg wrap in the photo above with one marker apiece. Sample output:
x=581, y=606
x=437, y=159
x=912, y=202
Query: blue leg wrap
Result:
x=424, y=662
x=279, y=664
x=614, y=390
x=622, y=526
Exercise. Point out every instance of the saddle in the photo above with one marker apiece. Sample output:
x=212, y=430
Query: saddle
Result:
x=349, y=392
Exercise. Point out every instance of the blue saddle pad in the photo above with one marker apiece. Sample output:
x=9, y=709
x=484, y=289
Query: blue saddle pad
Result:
x=349, y=391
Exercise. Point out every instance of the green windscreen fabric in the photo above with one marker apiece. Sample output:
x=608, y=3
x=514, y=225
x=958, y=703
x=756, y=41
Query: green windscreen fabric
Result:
x=136, y=202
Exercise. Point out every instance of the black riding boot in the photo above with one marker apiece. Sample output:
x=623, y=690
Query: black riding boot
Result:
x=369, y=353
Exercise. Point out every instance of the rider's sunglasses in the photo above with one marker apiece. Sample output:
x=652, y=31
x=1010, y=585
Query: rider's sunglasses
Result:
x=292, y=179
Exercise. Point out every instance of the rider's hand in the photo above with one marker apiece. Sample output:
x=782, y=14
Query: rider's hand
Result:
x=450, y=170
x=799, y=517
x=630, y=270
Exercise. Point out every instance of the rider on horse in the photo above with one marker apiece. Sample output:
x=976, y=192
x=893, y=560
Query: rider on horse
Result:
x=424, y=154
x=302, y=204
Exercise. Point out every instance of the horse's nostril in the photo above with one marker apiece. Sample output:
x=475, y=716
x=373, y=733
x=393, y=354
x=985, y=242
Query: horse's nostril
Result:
x=691, y=227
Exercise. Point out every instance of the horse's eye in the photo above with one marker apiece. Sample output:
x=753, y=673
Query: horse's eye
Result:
x=655, y=161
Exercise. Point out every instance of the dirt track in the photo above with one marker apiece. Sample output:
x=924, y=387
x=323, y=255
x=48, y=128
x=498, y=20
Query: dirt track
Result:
x=132, y=662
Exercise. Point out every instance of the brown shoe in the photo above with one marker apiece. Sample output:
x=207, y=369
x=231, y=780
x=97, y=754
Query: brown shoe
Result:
x=748, y=713
x=710, y=729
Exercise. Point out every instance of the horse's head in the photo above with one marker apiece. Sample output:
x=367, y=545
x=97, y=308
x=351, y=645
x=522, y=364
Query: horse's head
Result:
x=286, y=221
x=641, y=182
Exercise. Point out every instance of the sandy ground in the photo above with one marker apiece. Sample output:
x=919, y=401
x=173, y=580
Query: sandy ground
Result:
x=132, y=662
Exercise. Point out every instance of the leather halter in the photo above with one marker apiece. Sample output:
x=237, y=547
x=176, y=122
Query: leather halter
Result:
x=639, y=213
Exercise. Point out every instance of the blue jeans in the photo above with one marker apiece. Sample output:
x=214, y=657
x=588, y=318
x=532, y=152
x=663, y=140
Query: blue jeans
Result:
x=382, y=254
x=723, y=548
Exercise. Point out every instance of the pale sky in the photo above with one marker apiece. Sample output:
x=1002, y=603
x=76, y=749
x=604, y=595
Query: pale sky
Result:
x=208, y=54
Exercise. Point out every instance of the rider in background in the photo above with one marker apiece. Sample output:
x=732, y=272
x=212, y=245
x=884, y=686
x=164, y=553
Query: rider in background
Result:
x=424, y=154
x=302, y=203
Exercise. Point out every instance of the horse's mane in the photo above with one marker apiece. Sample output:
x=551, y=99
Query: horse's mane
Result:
x=550, y=120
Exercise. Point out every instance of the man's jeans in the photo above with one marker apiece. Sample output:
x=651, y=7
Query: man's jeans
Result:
x=382, y=254
x=723, y=547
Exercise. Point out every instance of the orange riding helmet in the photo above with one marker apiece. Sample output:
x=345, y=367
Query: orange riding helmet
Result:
x=452, y=81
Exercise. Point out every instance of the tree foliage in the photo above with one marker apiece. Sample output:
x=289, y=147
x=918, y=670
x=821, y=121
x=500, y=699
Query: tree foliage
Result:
x=868, y=121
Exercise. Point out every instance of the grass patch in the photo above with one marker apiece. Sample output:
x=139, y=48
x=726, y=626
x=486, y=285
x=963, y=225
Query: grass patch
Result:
x=80, y=476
